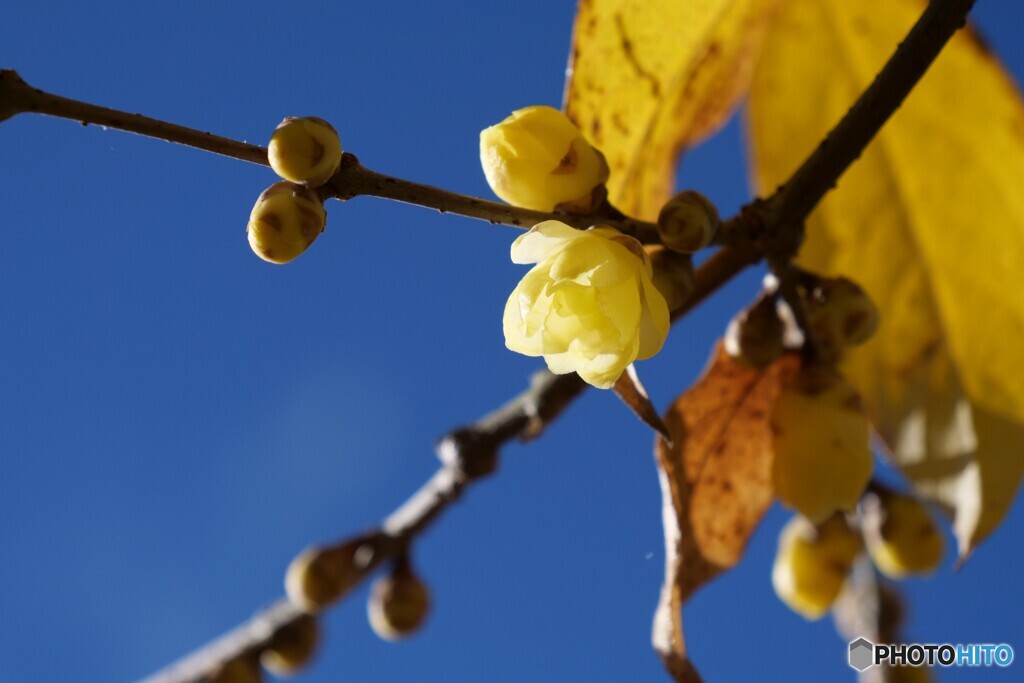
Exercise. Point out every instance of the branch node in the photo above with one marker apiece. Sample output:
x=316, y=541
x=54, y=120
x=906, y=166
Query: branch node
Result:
x=469, y=451
x=12, y=88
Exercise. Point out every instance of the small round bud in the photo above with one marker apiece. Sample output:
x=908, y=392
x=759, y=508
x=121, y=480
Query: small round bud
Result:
x=672, y=275
x=538, y=159
x=242, y=669
x=902, y=537
x=688, y=222
x=398, y=603
x=305, y=150
x=812, y=563
x=291, y=647
x=755, y=336
x=318, y=577
x=845, y=309
x=285, y=221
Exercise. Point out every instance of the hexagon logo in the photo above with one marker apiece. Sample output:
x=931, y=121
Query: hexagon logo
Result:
x=862, y=654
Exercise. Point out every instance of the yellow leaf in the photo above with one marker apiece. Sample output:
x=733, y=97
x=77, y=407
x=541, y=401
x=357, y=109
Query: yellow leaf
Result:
x=650, y=77
x=716, y=484
x=931, y=222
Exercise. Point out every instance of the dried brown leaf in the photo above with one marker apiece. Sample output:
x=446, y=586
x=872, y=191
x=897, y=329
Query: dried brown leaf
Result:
x=716, y=485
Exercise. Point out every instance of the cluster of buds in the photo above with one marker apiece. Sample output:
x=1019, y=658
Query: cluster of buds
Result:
x=596, y=300
x=319, y=577
x=813, y=560
x=820, y=431
x=289, y=650
x=290, y=214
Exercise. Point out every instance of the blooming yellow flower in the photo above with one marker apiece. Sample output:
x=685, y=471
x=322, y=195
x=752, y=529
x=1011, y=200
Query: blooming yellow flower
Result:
x=537, y=158
x=588, y=306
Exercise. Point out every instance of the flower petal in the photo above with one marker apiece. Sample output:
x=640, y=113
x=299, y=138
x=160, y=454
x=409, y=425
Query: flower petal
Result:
x=543, y=241
x=525, y=312
x=654, y=320
x=603, y=370
x=593, y=261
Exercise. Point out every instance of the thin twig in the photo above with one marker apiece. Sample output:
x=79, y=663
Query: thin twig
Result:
x=467, y=454
x=352, y=179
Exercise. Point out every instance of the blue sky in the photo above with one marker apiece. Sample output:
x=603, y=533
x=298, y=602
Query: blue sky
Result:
x=179, y=418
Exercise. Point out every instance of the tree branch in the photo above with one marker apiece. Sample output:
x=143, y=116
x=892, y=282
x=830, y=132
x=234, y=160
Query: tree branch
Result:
x=844, y=144
x=352, y=179
x=471, y=452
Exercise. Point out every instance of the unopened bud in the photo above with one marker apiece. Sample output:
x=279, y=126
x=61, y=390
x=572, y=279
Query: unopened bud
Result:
x=902, y=537
x=291, y=647
x=812, y=563
x=318, y=577
x=305, y=150
x=688, y=222
x=398, y=603
x=673, y=275
x=855, y=315
x=755, y=336
x=538, y=159
x=842, y=313
x=285, y=221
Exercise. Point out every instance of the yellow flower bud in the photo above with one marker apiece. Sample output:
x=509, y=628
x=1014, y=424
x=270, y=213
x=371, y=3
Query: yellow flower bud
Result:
x=812, y=563
x=902, y=537
x=305, y=150
x=537, y=158
x=688, y=222
x=318, y=577
x=398, y=603
x=589, y=305
x=672, y=275
x=285, y=221
x=822, y=444
x=291, y=647
x=755, y=336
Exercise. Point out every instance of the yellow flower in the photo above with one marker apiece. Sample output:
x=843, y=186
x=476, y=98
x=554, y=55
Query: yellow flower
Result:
x=588, y=306
x=537, y=158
